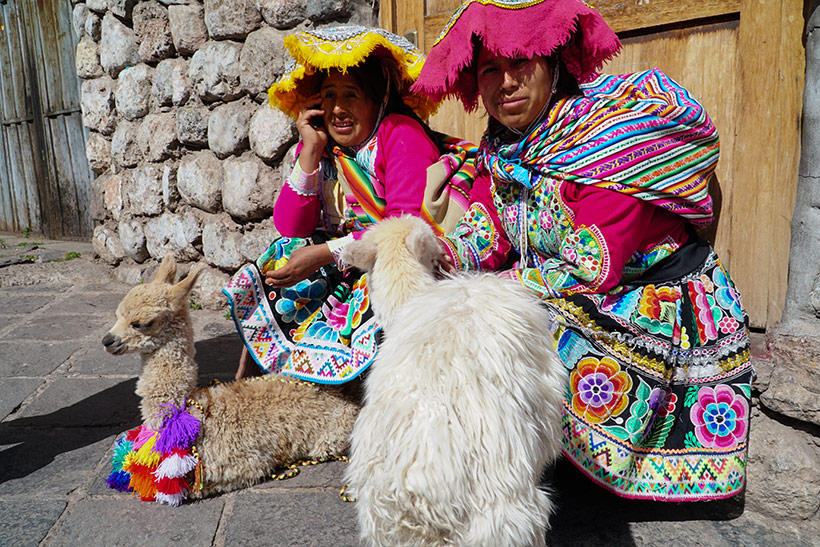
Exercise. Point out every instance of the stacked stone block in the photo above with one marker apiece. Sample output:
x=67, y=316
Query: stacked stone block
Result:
x=187, y=154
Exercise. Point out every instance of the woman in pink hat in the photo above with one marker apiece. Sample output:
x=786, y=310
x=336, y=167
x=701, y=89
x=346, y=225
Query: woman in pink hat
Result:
x=590, y=190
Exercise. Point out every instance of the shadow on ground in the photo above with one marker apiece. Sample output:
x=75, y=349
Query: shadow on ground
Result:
x=582, y=505
x=35, y=441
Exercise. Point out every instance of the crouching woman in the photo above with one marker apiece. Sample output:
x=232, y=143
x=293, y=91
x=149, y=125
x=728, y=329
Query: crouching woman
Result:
x=595, y=186
x=364, y=155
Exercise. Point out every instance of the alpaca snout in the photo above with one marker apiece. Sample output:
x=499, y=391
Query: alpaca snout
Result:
x=113, y=344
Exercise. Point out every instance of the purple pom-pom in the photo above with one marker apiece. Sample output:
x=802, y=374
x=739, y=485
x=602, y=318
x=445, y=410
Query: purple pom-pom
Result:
x=119, y=480
x=179, y=429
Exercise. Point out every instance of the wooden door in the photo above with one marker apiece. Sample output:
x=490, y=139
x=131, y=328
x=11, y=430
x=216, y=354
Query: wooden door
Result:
x=744, y=60
x=43, y=168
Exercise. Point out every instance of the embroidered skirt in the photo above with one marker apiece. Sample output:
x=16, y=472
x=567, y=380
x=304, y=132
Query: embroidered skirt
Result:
x=321, y=329
x=659, y=386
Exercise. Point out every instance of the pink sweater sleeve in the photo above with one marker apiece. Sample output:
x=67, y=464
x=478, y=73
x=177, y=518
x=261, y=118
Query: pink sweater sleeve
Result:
x=294, y=214
x=297, y=214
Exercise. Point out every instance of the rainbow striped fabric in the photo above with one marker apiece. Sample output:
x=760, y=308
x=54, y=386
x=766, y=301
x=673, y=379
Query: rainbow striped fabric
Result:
x=447, y=194
x=639, y=134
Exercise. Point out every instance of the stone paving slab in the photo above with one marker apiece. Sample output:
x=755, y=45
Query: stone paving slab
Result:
x=32, y=358
x=102, y=305
x=27, y=522
x=83, y=402
x=14, y=391
x=125, y=520
x=12, y=303
x=314, y=519
x=60, y=327
x=95, y=360
x=49, y=462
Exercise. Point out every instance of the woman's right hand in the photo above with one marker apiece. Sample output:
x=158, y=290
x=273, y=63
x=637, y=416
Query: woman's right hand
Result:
x=311, y=127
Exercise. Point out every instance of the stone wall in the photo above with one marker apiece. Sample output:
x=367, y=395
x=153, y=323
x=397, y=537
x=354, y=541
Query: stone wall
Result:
x=187, y=155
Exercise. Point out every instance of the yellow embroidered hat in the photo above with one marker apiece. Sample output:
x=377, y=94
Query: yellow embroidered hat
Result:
x=316, y=51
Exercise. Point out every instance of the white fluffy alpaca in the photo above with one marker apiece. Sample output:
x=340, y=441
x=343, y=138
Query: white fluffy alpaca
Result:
x=462, y=405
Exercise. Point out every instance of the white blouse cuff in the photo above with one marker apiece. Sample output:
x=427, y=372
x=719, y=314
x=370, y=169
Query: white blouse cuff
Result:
x=304, y=184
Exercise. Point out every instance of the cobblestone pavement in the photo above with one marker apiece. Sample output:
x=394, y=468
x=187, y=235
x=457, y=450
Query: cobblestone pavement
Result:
x=63, y=400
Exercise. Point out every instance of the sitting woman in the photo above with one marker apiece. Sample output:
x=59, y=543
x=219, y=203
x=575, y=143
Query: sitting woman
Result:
x=364, y=155
x=595, y=185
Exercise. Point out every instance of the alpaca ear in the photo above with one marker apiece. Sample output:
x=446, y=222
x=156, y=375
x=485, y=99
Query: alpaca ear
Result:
x=360, y=253
x=423, y=243
x=180, y=291
x=167, y=270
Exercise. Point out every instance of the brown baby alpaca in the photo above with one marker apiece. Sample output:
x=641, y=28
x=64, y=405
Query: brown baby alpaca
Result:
x=249, y=427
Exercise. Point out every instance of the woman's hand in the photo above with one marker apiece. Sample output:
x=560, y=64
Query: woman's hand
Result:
x=301, y=264
x=312, y=130
x=445, y=262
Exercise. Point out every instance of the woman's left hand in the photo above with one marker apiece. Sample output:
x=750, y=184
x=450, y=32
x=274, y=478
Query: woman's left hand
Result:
x=301, y=264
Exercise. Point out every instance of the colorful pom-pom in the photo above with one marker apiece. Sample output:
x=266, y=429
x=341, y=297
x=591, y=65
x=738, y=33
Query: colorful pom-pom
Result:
x=171, y=499
x=119, y=481
x=145, y=433
x=178, y=464
x=179, y=429
x=171, y=485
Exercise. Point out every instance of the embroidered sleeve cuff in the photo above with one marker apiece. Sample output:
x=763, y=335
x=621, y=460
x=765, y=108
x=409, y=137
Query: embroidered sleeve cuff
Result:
x=304, y=184
x=335, y=246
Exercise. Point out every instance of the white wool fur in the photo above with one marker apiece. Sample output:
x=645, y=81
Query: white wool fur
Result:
x=462, y=405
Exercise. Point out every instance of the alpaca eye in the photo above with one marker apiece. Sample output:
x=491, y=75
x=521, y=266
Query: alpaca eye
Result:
x=142, y=326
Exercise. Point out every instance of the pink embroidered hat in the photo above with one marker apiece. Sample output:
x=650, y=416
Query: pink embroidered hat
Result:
x=515, y=28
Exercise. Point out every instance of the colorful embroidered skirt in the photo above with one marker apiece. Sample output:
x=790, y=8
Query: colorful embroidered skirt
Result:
x=321, y=329
x=660, y=385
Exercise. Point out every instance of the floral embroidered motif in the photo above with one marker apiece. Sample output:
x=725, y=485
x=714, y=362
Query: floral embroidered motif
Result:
x=657, y=310
x=726, y=295
x=301, y=301
x=720, y=417
x=359, y=302
x=599, y=389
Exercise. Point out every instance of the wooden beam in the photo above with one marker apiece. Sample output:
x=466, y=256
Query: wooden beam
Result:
x=629, y=15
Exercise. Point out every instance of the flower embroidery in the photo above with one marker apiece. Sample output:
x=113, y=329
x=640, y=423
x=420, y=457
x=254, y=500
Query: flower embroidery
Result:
x=726, y=294
x=719, y=417
x=702, y=308
x=336, y=313
x=599, y=389
x=323, y=331
x=359, y=302
x=668, y=404
x=658, y=309
x=299, y=302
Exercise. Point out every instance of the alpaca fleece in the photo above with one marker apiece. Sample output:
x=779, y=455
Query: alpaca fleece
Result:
x=462, y=405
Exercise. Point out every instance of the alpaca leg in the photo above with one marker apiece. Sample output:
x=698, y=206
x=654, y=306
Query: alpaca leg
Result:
x=518, y=520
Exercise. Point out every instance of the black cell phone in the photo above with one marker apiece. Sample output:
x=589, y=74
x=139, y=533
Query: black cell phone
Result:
x=317, y=122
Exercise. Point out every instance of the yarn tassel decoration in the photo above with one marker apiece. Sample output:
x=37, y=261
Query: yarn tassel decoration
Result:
x=171, y=499
x=142, y=481
x=144, y=434
x=177, y=464
x=119, y=479
x=172, y=486
x=179, y=429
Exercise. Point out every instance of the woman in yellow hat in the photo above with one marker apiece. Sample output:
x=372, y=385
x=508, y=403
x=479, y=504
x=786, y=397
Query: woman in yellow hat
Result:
x=364, y=155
